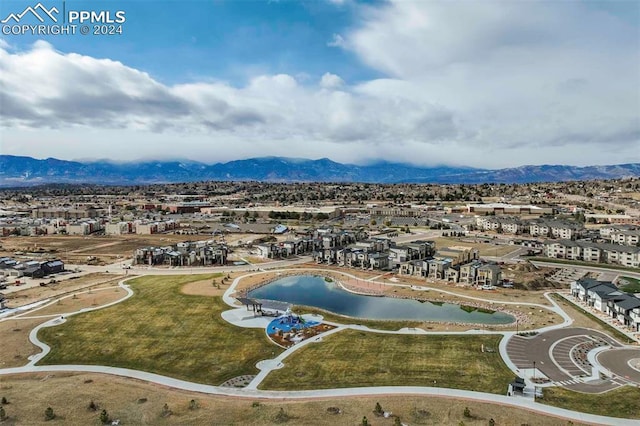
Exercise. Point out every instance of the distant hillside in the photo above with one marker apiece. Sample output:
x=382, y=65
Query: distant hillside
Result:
x=25, y=171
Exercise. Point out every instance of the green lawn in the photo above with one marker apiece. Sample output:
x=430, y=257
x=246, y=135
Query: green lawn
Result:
x=623, y=402
x=163, y=331
x=355, y=358
x=629, y=284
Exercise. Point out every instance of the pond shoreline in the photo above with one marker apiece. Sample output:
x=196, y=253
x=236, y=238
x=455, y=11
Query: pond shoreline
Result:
x=518, y=317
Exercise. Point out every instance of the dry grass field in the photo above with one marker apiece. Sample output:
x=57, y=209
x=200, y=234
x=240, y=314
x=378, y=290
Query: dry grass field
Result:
x=208, y=288
x=90, y=299
x=16, y=347
x=61, y=287
x=138, y=403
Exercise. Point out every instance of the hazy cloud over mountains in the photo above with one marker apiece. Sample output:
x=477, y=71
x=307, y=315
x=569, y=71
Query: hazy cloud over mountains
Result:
x=480, y=84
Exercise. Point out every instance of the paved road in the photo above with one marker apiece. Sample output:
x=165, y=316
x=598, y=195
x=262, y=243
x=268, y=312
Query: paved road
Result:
x=617, y=362
x=117, y=270
x=551, y=352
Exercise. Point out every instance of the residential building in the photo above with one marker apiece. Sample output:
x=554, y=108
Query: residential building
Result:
x=593, y=252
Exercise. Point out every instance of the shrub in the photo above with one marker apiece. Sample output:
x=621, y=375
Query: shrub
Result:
x=92, y=406
x=334, y=410
x=467, y=412
x=49, y=414
x=3, y=414
x=104, y=417
x=4, y=400
x=378, y=410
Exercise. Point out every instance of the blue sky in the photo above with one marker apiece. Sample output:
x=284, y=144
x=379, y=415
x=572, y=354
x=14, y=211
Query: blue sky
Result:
x=177, y=41
x=487, y=84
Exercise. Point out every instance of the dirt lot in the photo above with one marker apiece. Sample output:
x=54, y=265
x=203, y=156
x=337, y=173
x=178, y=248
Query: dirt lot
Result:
x=484, y=249
x=136, y=402
x=108, y=248
x=35, y=294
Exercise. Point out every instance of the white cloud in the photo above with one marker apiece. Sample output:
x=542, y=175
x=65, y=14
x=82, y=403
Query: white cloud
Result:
x=331, y=81
x=337, y=41
x=481, y=84
x=514, y=74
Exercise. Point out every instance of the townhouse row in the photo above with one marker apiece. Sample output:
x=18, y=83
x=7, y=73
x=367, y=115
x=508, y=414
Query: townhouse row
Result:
x=605, y=297
x=187, y=253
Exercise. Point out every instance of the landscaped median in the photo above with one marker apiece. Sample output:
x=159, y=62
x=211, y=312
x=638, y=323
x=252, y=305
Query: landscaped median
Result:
x=352, y=358
x=164, y=331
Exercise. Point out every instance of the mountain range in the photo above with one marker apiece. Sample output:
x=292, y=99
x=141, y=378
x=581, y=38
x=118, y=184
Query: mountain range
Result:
x=28, y=171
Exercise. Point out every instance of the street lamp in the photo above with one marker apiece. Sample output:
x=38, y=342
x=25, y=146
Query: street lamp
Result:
x=534, y=371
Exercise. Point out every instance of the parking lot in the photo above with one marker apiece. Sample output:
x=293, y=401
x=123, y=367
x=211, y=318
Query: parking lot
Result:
x=561, y=356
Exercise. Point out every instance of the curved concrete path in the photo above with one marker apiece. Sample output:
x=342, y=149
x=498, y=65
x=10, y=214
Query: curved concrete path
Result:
x=334, y=393
x=268, y=365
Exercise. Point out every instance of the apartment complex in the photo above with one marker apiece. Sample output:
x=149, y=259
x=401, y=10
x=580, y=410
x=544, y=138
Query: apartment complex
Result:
x=593, y=252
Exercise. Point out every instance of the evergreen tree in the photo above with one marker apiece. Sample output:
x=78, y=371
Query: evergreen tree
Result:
x=104, y=417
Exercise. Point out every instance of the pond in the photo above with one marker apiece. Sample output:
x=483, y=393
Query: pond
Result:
x=317, y=292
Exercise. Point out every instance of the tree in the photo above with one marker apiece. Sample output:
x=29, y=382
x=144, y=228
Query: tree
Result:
x=92, y=406
x=4, y=400
x=3, y=414
x=492, y=422
x=104, y=417
x=365, y=422
x=193, y=404
x=467, y=412
x=397, y=422
x=49, y=414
